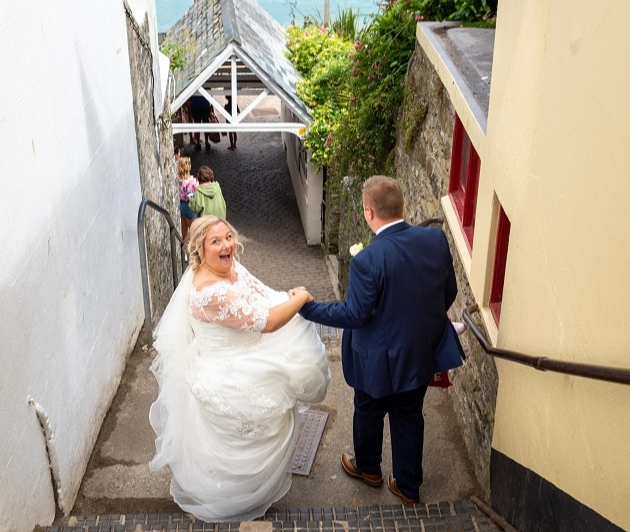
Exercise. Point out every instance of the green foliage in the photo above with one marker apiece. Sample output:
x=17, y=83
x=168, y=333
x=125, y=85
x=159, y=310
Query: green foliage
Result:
x=346, y=24
x=178, y=52
x=305, y=46
x=435, y=9
x=327, y=83
x=362, y=143
x=355, y=89
x=322, y=57
x=471, y=10
x=462, y=10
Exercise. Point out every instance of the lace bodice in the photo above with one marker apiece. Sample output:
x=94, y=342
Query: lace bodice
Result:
x=242, y=305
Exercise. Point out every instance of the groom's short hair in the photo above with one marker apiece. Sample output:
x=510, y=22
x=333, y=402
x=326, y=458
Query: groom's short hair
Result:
x=384, y=196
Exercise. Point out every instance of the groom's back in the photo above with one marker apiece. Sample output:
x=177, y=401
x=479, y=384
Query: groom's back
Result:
x=414, y=274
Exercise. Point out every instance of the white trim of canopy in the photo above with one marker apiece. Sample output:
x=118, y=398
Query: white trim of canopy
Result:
x=234, y=121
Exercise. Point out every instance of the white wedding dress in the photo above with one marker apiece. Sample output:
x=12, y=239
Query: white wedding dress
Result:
x=226, y=417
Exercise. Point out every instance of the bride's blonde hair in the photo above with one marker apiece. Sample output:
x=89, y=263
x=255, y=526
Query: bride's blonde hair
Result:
x=198, y=231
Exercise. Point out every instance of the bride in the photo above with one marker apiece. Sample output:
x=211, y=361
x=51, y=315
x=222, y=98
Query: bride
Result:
x=233, y=361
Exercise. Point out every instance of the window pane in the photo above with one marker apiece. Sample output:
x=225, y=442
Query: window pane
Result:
x=465, y=155
x=500, y=261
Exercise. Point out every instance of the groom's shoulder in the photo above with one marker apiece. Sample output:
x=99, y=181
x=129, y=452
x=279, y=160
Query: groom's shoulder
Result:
x=428, y=233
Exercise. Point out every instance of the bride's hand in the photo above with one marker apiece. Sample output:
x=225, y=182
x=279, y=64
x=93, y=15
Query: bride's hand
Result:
x=294, y=291
x=300, y=290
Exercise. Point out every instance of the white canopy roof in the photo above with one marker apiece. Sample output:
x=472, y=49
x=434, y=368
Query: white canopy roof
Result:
x=234, y=47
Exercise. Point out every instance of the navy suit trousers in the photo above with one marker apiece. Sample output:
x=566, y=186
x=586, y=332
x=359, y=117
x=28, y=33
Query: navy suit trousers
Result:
x=406, y=424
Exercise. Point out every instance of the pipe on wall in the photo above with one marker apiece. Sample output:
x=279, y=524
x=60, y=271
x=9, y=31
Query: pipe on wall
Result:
x=51, y=451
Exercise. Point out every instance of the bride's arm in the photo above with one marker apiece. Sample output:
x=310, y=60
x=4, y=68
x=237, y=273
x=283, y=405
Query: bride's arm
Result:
x=244, y=309
x=281, y=314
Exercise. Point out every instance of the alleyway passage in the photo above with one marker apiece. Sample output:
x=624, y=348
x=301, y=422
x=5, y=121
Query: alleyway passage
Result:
x=262, y=206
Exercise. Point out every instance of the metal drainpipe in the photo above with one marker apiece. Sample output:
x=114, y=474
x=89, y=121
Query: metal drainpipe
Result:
x=51, y=451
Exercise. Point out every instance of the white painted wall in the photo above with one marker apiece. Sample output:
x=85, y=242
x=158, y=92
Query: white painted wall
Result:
x=70, y=291
x=308, y=186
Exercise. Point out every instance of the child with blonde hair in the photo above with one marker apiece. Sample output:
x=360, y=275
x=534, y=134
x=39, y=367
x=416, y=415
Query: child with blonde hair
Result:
x=187, y=188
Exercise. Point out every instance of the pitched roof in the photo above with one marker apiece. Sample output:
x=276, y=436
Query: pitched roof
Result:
x=210, y=27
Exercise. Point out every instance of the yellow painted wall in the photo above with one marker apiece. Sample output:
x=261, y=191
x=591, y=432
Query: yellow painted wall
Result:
x=557, y=157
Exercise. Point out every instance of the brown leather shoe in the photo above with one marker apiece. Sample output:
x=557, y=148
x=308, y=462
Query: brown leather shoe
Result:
x=349, y=463
x=391, y=484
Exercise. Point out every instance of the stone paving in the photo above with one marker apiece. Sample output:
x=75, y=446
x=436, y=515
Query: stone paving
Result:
x=262, y=206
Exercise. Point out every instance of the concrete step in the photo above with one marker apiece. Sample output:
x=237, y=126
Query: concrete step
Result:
x=456, y=516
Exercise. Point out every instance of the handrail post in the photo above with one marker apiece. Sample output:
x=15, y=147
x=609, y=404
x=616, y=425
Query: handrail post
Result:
x=144, y=273
x=144, y=267
x=183, y=257
x=173, y=258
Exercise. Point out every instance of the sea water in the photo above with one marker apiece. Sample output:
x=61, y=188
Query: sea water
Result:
x=286, y=12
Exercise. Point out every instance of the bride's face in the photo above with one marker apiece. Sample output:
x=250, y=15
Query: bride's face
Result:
x=218, y=249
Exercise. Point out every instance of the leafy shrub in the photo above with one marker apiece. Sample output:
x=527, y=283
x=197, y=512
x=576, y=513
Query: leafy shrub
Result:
x=355, y=89
x=435, y=9
x=322, y=57
x=178, y=52
x=471, y=10
x=310, y=46
x=346, y=24
x=361, y=145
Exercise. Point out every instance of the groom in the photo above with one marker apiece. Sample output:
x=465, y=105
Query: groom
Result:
x=394, y=315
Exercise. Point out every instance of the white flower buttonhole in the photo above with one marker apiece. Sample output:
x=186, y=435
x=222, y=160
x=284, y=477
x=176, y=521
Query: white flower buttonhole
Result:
x=356, y=248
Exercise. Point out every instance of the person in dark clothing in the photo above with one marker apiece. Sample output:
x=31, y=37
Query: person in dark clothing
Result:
x=394, y=318
x=200, y=109
x=228, y=108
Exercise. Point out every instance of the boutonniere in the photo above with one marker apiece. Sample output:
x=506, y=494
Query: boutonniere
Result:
x=356, y=248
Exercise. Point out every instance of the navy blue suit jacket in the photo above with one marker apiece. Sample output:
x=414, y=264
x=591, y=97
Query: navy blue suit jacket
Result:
x=394, y=315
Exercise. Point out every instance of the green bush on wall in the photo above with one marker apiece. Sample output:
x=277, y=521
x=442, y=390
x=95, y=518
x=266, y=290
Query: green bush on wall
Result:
x=355, y=88
x=179, y=52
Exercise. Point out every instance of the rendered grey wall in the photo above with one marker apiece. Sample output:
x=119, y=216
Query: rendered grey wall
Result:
x=158, y=173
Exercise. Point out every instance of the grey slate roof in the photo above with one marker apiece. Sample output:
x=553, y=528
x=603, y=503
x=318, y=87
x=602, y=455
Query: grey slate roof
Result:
x=209, y=26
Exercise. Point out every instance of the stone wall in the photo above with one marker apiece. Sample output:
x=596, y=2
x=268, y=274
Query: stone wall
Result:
x=353, y=228
x=158, y=172
x=422, y=165
x=332, y=214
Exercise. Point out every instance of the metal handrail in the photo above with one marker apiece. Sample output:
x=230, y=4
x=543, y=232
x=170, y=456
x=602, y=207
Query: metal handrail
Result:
x=144, y=268
x=430, y=221
x=590, y=371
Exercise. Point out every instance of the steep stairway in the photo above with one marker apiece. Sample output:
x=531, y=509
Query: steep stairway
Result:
x=457, y=516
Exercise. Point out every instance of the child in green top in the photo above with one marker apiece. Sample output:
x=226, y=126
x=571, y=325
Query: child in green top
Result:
x=208, y=198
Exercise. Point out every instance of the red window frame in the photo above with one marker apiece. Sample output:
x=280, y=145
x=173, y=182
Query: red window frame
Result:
x=500, y=261
x=464, y=180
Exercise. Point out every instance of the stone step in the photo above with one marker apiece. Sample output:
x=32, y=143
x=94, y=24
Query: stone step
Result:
x=457, y=516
